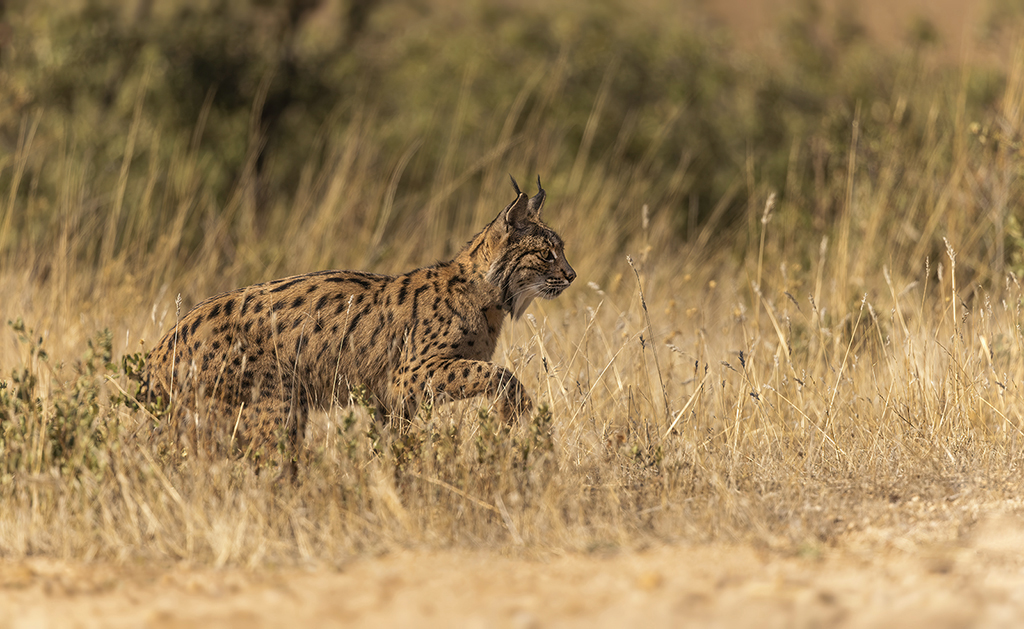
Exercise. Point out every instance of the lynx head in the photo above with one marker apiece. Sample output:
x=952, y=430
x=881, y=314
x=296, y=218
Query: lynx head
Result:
x=530, y=259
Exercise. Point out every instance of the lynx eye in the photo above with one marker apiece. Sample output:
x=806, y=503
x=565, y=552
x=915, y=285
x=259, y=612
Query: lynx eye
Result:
x=552, y=256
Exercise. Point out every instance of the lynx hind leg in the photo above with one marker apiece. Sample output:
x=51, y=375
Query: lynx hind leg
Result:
x=202, y=428
x=269, y=429
x=463, y=378
x=272, y=429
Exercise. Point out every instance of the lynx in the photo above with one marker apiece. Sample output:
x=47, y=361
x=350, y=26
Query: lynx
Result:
x=253, y=362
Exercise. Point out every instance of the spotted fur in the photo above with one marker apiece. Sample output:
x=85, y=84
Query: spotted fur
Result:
x=255, y=360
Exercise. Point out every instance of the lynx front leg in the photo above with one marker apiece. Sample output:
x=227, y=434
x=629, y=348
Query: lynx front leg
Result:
x=463, y=378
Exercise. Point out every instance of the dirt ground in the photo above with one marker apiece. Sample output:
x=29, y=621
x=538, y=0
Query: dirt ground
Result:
x=874, y=578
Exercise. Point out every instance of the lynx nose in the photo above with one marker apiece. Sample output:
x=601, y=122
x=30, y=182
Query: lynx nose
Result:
x=570, y=275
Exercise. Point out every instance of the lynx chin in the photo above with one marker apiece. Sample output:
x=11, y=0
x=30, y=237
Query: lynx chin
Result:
x=252, y=363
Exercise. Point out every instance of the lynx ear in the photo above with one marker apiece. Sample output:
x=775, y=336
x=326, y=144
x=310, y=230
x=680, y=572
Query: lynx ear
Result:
x=537, y=202
x=517, y=214
x=524, y=210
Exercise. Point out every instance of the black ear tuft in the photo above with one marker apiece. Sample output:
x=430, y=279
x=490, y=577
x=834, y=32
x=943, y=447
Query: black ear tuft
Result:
x=515, y=186
x=537, y=202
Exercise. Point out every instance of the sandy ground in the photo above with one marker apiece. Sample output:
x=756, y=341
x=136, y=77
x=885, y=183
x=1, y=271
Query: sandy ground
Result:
x=874, y=578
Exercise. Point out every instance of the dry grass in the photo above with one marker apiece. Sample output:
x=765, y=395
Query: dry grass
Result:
x=820, y=381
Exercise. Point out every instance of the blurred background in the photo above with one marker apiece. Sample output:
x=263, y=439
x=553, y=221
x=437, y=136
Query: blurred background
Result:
x=209, y=131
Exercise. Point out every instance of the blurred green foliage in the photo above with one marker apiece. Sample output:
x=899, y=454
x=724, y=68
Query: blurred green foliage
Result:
x=265, y=90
